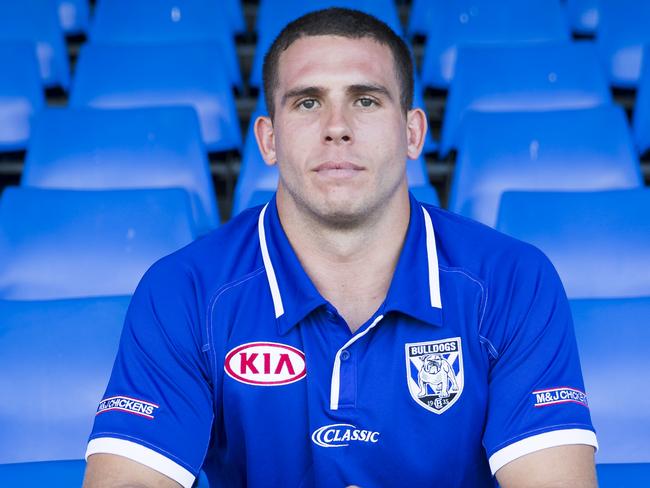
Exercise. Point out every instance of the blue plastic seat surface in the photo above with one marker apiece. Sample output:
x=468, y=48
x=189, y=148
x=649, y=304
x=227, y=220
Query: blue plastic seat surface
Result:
x=19, y=22
x=236, y=16
x=74, y=15
x=430, y=145
x=169, y=22
x=616, y=331
x=66, y=243
x=598, y=241
x=475, y=22
x=273, y=15
x=583, y=15
x=21, y=94
x=588, y=149
x=641, y=122
x=623, y=475
x=124, y=76
x=55, y=360
x=622, y=32
x=421, y=14
x=93, y=149
x=524, y=77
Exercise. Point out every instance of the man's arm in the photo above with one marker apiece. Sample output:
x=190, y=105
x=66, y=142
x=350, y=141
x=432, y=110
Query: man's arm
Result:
x=111, y=471
x=569, y=466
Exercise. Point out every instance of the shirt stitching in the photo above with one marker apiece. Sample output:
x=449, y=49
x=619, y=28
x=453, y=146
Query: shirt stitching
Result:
x=484, y=292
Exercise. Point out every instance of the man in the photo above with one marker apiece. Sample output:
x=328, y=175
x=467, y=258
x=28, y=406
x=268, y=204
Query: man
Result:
x=344, y=334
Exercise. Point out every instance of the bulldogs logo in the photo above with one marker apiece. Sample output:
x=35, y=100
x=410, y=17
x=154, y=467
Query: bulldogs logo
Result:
x=434, y=373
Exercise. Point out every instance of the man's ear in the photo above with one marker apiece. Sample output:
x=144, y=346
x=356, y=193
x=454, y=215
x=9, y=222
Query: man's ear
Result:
x=265, y=137
x=416, y=129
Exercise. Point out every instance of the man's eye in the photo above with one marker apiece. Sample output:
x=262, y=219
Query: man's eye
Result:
x=366, y=102
x=308, y=104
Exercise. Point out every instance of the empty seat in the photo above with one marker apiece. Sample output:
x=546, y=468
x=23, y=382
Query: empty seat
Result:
x=274, y=15
x=92, y=149
x=55, y=360
x=583, y=15
x=613, y=339
x=37, y=22
x=236, y=16
x=421, y=15
x=642, y=109
x=169, y=22
x=73, y=15
x=155, y=75
x=66, y=243
x=21, y=94
x=598, y=241
x=622, y=32
x=588, y=149
x=531, y=77
x=463, y=22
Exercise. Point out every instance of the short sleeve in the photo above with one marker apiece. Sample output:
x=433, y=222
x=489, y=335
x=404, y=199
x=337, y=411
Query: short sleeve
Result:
x=536, y=392
x=157, y=409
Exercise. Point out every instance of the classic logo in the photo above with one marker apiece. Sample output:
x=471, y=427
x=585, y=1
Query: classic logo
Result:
x=265, y=364
x=340, y=435
x=129, y=405
x=563, y=394
x=434, y=373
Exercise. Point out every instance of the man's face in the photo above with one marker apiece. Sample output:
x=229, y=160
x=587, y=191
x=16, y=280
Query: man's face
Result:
x=339, y=134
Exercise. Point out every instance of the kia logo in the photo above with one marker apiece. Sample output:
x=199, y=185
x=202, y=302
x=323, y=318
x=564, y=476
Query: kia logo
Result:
x=265, y=364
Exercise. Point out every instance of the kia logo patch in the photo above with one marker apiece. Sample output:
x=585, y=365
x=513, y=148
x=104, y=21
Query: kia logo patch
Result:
x=265, y=364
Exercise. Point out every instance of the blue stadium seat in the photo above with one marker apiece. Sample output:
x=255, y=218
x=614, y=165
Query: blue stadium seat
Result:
x=236, y=16
x=273, y=15
x=430, y=145
x=60, y=354
x=583, y=15
x=168, y=22
x=641, y=123
x=624, y=475
x=613, y=339
x=37, y=22
x=21, y=94
x=588, y=149
x=622, y=32
x=74, y=15
x=153, y=75
x=66, y=243
x=421, y=15
x=477, y=22
x=598, y=241
x=531, y=77
x=92, y=149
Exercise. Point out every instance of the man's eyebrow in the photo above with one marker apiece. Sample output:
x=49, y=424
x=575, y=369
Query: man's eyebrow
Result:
x=356, y=90
x=303, y=91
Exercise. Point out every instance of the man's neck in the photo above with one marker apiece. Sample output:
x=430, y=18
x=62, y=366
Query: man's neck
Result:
x=351, y=267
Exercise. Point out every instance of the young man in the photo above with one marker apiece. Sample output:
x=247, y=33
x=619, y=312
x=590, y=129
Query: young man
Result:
x=345, y=334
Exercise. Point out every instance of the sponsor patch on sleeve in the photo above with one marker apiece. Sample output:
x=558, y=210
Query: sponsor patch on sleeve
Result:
x=559, y=395
x=129, y=405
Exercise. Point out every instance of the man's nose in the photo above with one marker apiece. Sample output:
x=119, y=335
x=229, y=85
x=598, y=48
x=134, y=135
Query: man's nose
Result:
x=337, y=128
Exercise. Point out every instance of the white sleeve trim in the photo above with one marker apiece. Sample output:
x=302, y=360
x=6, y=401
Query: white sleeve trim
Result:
x=142, y=455
x=541, y=441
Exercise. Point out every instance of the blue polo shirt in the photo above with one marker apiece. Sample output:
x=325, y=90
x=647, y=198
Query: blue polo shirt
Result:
x=232, y=362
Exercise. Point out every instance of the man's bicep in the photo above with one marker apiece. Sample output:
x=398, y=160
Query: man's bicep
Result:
x=561, y=466
x=111, y=471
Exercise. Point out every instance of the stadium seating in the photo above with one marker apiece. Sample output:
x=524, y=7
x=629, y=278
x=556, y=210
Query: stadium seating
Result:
x=624, y=475
x=477, y=22
x=531, y=77
x=21, y=94
x=236, y=16
x=154, y=75
x=420, y=17
x=66, y=243
x=273, y=15
x=642, y=109
x=588, y=149
x=155, y=147
x=613, y=338
x=622, y=32
x=168, y=22
x=19, y=22
x=59, y=354
x=430, y=146
x=598, y=241
x=74, y=15
x=583, y=15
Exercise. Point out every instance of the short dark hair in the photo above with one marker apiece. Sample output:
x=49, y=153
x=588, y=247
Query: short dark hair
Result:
x=342, y=22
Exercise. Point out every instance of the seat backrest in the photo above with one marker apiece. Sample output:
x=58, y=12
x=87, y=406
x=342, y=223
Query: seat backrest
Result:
x=523, y=77
x=93, y=149
x=583, y=15
x=474, y=22
x=168, y=22
x=642, y=108
x=598, y=241
x=67, y=243
x=613, y=338
x=37, y=22
x=622, y=32
x=21, y=94
x=55, y=360
x=587, y=149
x=74, y=15
x=126, y=76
